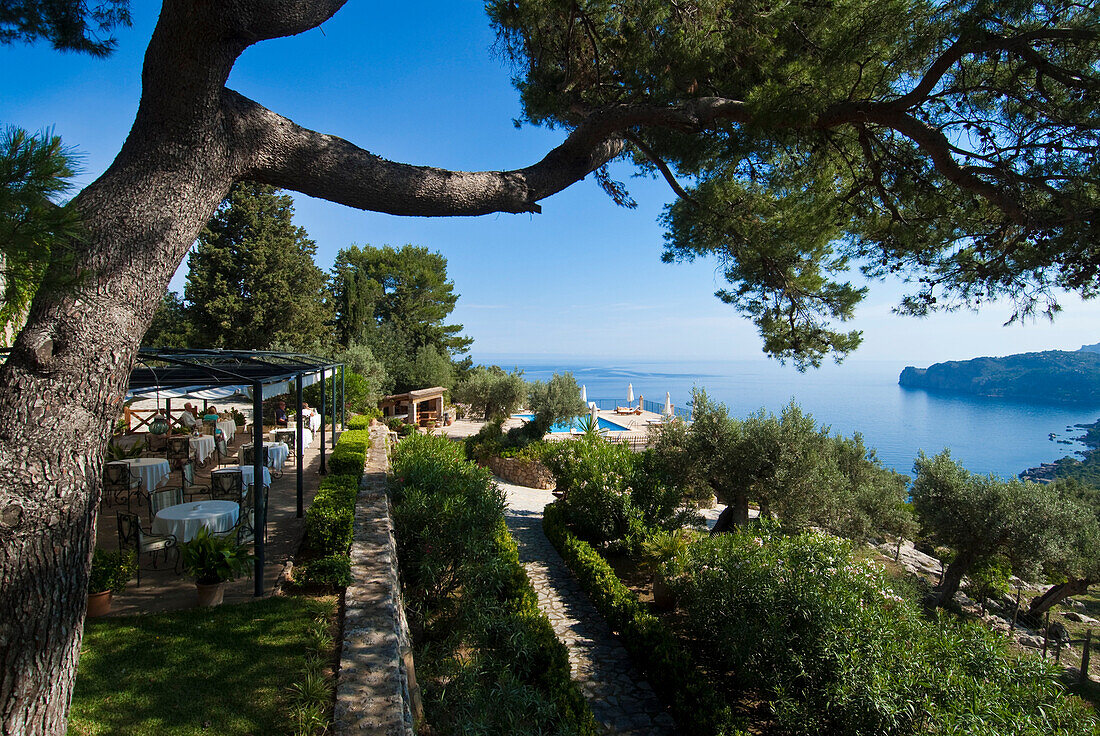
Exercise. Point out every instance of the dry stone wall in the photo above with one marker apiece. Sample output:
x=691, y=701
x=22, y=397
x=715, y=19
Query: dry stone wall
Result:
x=529, y=473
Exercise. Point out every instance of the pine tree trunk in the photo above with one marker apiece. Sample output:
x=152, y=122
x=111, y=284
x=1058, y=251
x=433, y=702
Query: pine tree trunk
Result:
x=61, y=391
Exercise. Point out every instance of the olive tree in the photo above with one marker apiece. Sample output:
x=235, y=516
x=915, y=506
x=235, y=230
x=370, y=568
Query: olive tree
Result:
x=981, y=518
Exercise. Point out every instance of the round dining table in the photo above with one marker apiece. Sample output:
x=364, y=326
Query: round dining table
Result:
x=228, y=428
x=277, y=453
x=202, y=446
x=184, y=520
x=151, y=470
x=247, y=474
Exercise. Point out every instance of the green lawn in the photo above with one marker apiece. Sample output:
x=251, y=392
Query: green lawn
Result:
x=221, y=670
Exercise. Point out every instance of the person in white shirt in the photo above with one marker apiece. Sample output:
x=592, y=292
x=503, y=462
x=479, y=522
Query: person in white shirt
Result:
x=190, y=417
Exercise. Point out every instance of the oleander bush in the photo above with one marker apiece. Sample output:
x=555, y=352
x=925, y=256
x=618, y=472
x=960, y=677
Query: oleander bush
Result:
x=836, y=650
x=487, y=659
x=612, y=493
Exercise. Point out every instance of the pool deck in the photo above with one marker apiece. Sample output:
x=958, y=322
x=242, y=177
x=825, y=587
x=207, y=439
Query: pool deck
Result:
x=637, y=426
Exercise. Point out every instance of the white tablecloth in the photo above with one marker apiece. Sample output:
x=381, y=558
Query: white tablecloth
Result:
x=185, y=520
x=277, y=453
x=151, y=470
x=307, y=436
x=228, y=428
x=246, y=474
x=202, y=446
x=313, y=421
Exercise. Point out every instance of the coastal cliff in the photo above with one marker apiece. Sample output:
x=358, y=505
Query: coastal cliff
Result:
x=1054, y=376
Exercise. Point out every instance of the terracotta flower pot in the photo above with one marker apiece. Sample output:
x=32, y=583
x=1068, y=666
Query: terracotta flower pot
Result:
x=99, y=604
x=210, y=595
x=662, y=593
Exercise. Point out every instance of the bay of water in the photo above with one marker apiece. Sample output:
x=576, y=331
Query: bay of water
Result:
x=985, y=435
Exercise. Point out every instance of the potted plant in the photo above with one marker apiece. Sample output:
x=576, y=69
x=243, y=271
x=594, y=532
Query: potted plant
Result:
x=659, y=548
x=213, y=561
x=120, y=452
x=238, y=417
x=110, y=573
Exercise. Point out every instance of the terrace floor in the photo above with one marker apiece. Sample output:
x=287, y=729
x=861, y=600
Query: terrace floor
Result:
x=166, y=589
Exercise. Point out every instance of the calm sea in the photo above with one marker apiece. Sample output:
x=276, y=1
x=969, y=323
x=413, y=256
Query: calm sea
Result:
x=985, y=435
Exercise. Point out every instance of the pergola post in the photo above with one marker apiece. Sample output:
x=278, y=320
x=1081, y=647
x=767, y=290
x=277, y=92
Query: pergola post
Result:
x=323, y=468
x=343, y=400
x=298, y=444
x=259, y=508
x=333, y=440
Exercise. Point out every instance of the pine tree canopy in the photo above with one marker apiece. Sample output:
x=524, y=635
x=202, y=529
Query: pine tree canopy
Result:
x=951, y=144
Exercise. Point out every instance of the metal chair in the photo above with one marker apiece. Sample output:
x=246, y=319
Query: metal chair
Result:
x=179, y=450
x=132, y=536
x=248, y=458
x=164, y=498
x=119, y=484
x=188, y=485
x=228, y=486
x=246, y=522
x=155, y=445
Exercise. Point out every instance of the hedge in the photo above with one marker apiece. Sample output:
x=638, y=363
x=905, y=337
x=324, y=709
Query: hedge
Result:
x=489, y=659
x=696, y=706
x=360, y=421
x=330, y=517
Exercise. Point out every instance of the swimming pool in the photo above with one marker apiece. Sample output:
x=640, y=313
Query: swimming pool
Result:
x=566, y=427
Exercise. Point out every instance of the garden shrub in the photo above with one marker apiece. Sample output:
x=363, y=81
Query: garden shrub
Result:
x=595, y=476
x=474, y=614
x=836, y=650
x=329, y=521
x=360, y=421
x=333, y=571
x=667, y=667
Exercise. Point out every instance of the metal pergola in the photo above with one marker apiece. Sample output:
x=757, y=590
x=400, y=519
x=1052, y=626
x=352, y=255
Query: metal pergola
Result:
x=176, y=373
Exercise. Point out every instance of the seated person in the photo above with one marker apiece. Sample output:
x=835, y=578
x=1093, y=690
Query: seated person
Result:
x=211, y=414
x=280, y=414
x=190, y=417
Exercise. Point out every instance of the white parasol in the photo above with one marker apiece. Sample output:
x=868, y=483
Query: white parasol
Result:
x=629, y=393
x=668, y=404
x=584, y=394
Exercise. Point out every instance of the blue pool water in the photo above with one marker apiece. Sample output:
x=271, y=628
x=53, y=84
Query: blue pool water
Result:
x=562, y=427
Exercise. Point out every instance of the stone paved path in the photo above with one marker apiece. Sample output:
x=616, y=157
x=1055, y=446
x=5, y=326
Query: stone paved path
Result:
x=620, y=698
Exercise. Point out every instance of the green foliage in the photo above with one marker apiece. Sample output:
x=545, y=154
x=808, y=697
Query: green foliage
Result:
x=668, y=668
x=838, y=651
x=34, y=172
x=595, y=477
x=171, y=325
x=215, y=559
x=359, y=422
x=118, y=452
x=488, y=660
x=553, y=401
x=982, y=518
x=397, y=300
x=68, y=25
x=251, y=280
x=490, y=391
x=894, y=136
x=333, y=572
x=790, y=467
x=330, y=516
x=111, y=570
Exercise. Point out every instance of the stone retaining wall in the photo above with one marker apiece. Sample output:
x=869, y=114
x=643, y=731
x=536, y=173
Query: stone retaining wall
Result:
x=529, y=473
x=376, y=688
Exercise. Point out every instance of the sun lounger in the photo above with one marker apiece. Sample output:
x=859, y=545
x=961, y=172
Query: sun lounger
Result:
x=627, y=410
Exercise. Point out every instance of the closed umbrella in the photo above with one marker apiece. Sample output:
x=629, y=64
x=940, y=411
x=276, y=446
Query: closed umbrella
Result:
x=629, y=393
x=668, y=404
x=584, y=394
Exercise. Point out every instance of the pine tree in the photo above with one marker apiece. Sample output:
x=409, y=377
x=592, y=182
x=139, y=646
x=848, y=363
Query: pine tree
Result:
x=252, y=282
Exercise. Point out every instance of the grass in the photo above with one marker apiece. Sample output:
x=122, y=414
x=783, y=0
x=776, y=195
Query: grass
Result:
x=225, y=670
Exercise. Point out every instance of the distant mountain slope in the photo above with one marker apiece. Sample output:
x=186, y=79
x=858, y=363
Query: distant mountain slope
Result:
x=1054, y=376
x=1094, y=348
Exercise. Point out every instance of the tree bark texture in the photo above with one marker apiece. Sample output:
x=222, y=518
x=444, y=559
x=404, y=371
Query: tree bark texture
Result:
x=1054, y=595
x=952, y=579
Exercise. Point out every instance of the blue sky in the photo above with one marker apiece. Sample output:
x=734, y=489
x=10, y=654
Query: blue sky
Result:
x=418, y=82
